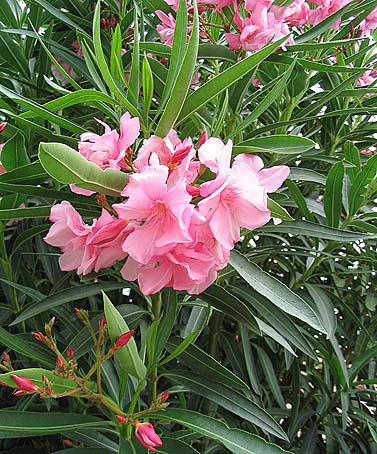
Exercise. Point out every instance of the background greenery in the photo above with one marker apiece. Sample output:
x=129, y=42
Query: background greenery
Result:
x=284, y=345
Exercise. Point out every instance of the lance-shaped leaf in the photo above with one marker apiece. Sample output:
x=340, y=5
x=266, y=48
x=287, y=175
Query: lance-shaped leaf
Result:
x=128, y=355
x=281, y=144
x=274, y=290
x=17, y=424
x=182, y=81
x=236, y=440
x=213, y=87
x=58, y=384
x=69, y=167
x=229, y=399
x=332, y=200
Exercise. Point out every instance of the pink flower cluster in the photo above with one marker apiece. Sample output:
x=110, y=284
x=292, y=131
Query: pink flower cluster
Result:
x=261, y=21
x=180, y=215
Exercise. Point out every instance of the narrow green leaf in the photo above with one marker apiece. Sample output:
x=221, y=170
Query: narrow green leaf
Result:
x=176, y=53
x=236, y=440
x=325, y=308
x=315, y=231
x=66, y=296
x=14, y=154
x=213, y=87
x=128, y=355
x=359, y=188
x=40, y=111
x=278, y=319
x=224, y=301
x=134, y=81
x=229, y=399
x=277, y=211
x=18, y=424
x=166, y=324
x=186, y=342
x=68, y=166
x=352, y=155
x=272, y=95
x=102, y=64
x=59, y=385
x=26, y=348
x=182, y=80
x=148, y=86
x=199, y=361
x=299, y=199
x=332, y=199
x=270, y=375
x=25, y=213
x=280, y=144
x=277, y=292
x=271, y=332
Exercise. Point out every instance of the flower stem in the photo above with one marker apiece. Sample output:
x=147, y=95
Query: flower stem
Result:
x=152, y=379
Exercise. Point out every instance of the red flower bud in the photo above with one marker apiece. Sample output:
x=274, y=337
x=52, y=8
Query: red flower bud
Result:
x=147, y=436
x=68, y=443
x=77, y=310
x=3, y=125
x=123, y=339
x=203, y=137
x=103, y=322
x=59, y=363
x=39, y=336
x=163, y=397
x=120, y=419
x=70, y=353
x=24, y=384
x=6, y=356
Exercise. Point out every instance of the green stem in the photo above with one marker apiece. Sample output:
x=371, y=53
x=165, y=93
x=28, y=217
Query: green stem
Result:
x=152, y=379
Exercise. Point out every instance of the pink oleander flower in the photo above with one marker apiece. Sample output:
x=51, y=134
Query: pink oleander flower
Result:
x=367, y=78
x=296, y=14
x=165, y=212
x=109, y=149
x=145, y=433
x=257, y=30
x=24, y=385
x=238, y=195
x=171, y=152
x=324, y=9
x=86, y=247
x=166, y=29
x=369, y=23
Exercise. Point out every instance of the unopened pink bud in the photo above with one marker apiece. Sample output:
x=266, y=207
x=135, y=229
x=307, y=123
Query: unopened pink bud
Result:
x=76, y=310
x=120, y=419
x=103, y=322
x=123, y=339
x=6, y=356
x=39, y=336
x=147, y=436
x=24, y=384
x=70, y=353
x=164, y=396
x=203, y=137
x=59, y=363
x=3, y=125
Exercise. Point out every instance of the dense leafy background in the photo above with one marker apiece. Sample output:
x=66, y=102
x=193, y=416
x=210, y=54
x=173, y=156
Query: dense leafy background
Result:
x=255, y=358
